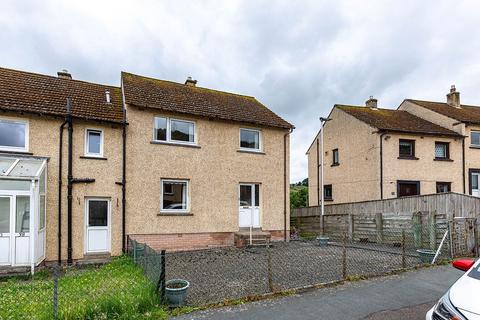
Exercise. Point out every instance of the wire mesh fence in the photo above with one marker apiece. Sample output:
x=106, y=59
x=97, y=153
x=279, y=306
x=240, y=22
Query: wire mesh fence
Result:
x=219, y=274
x=134, y=284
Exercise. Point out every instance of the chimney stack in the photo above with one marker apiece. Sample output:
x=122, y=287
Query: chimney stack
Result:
x=190, y=82
x=453, y=98
x=371, y=103
x=64, y=74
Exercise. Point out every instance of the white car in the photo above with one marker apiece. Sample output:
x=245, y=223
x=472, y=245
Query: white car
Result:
x=462, y=301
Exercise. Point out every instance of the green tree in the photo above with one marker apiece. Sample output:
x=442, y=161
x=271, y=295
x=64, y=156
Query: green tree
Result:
x=298, y=197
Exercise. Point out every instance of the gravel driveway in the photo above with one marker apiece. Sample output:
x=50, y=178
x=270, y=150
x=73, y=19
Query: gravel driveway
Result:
x=230, y=273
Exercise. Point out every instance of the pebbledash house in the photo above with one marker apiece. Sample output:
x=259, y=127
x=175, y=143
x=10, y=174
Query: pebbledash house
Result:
x=83, y=166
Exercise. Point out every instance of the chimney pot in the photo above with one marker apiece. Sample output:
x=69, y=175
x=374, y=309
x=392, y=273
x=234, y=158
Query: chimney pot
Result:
x=107, y=96
x=190, y=82
x=64, y=74
x=371, y=103
x=453, y=97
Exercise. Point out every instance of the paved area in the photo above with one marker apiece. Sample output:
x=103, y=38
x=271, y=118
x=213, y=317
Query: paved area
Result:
x=230, y=273
x=392, y=297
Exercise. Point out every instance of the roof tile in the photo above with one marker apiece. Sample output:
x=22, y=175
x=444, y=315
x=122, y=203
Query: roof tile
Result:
x=42, y=94
x=395, y=120
x=466, y=113
x=176, y=97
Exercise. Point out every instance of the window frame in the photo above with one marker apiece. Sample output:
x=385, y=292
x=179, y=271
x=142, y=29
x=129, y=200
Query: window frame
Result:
x=335, y=162
x=168, y=137
x=447, y=150
x=417, y=182
x=412, y=155
x=187, y=196
x=87, y=151
x=260, y=145
x=472, y=144
x=448, y=184
x=325, y=198
x=27, y=131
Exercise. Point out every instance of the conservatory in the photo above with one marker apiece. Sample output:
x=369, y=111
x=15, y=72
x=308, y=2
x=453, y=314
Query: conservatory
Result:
x=22, y=210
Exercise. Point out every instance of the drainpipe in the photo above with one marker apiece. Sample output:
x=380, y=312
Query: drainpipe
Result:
x=463, y=164
x=285, y=183
x=60, y=157
x=124, y=171
x=124, y=179
x=70, y=182
x=381, y=164
x=318, y=172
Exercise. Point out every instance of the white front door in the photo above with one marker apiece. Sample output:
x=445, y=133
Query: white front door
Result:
x=15, y=230
x=6, y=208
x=474, y=181
x=97, y=218
x=249, y=213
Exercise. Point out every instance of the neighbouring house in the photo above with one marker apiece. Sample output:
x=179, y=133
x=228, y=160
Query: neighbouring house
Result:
x=84, y=165
x=372, y=153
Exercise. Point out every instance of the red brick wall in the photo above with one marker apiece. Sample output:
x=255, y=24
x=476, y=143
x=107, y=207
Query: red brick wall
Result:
x=189, y=241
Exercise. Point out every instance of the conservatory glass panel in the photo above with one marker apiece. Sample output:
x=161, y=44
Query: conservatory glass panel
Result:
x=19, y=185
x=26, y=168
x=5, y=164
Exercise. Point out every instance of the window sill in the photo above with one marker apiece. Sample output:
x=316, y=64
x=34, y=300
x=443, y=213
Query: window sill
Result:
x=250, y=151
x=175, y=144
x=443, y=159
x=334, y=164
x=16, y=152
x=328, y=200
x=407, y=158
x=474, y=147
x=93, y=158
x=175, y=214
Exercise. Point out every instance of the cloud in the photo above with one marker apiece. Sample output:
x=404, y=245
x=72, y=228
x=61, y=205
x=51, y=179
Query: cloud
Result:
x=297, y=57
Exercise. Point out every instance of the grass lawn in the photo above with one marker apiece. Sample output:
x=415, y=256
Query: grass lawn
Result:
x=117, y=290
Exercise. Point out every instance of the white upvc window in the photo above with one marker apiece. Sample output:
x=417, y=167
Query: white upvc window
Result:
x=475, y=138
x=174, y=196
x=174, y=130
x=13, y=135
x=250, y=139
x=94, y=142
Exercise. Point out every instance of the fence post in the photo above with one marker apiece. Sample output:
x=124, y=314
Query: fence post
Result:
x=450, y=236
x=134, y=251
x=55, y=291
x=161, y=279
x=432, y=230
x=269, y=267
x=404, y=264
x=344, y=257
x=417, y=229
x=379, y=226
x=350, y=226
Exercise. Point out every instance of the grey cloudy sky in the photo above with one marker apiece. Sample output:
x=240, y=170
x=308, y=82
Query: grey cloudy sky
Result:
x=297, y=57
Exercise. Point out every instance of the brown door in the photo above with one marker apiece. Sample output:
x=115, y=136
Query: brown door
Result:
x=408, y=188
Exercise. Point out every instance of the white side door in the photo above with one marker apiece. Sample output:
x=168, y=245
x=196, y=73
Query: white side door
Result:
x=21, y=228
x=6, y=208
x=97, y=219
x=474, y=181
x=249, y=206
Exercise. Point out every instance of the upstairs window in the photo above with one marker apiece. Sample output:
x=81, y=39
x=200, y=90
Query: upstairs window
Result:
x=250, y=139
x=13, y=135
x=336, y=159
x=94, y=143
x=174, y=131
x=327, y=192
x=406, y=148
x=475, y=138
x=442, y=150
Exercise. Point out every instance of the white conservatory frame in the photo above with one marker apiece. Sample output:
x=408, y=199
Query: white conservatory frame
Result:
x=22, y=169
